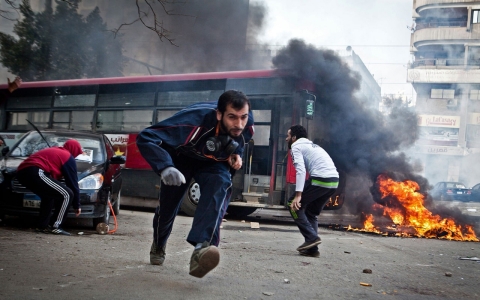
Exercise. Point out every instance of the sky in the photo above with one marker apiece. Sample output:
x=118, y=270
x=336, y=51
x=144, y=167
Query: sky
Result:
x=375, y=29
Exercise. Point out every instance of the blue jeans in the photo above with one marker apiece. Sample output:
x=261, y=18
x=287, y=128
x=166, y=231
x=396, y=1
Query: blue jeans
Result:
x=215, y=182
x=313, y=200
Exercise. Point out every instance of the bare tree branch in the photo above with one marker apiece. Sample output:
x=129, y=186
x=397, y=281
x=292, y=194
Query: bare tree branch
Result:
x=5, y=13
x=156, y=25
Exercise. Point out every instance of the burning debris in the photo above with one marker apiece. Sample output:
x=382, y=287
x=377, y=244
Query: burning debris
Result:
x=404, y=207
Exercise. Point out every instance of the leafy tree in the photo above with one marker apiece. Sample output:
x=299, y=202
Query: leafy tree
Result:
x=61, y=44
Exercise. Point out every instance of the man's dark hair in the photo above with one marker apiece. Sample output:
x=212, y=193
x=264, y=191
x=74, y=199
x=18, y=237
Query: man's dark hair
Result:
x=298, y=131
x=237, y=99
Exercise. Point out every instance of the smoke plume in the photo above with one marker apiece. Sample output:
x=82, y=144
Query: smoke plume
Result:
x=362, y=142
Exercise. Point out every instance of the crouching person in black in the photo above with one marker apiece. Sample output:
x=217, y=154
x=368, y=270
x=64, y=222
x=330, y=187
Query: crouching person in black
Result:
x=41, y=172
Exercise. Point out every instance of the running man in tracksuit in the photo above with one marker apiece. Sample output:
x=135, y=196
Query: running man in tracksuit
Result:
x=310, y=195
x=41, y=172
x=204, y=141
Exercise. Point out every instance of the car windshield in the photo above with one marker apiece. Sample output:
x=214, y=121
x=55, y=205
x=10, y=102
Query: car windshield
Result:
x=455, y=185
x=33, y=142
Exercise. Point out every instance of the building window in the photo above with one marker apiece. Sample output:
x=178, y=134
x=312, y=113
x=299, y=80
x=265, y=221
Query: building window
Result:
x=476, y=17
x=442, y=94
x=474, y=95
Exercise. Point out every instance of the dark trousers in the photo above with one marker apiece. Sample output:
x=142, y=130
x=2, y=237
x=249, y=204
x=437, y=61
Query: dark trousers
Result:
x=313, y=200
x=215, y=183
x=52, y=193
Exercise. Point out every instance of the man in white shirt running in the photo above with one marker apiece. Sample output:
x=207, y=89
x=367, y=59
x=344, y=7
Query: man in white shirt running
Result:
x=313, y=193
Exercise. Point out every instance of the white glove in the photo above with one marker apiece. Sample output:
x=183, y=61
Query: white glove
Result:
x=172, y=176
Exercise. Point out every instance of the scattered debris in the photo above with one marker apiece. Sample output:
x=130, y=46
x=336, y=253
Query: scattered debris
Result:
x=474, y=258
x=286, y=281
x=448, y=274
x=268, y=293
x=368, y=271
x=242, y=221
x=80, y=233
x=254, y=225
x=365, y=284
x=348, y=252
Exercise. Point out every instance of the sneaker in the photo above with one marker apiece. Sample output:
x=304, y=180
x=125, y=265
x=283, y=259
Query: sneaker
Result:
x=59, y=231
x=315, y=253
x=308, y=245
x=204, y=260
x=43, y=230
x=157, y=255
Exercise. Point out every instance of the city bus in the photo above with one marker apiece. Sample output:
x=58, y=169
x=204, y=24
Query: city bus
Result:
x=121, y=107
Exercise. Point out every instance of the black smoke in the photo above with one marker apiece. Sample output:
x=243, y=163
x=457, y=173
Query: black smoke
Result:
x=362, y=142
x=207, y=35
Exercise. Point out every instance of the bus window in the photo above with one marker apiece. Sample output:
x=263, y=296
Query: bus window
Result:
x=18, y=120
x=164, y=114
x=262, y=116
x=126, y=99
x=29, y=102
x=74, y=100
x=185, y=98
x=73, y=120
x=124, y=120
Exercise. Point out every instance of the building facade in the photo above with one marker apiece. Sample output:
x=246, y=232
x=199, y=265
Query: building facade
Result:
x=445, y=73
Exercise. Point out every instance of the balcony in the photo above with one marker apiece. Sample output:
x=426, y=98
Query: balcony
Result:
x=443, y=35
x=444, y=63
x=420, y=5
x=421, y=75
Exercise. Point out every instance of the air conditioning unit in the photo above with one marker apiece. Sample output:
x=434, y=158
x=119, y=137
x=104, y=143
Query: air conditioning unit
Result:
x=452, y=103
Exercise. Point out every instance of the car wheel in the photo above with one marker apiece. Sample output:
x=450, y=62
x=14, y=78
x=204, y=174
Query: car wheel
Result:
x=240, y=211
x=106, y=215
x=190, y=200
x=116, y=207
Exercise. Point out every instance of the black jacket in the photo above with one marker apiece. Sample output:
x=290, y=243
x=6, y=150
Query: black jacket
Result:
x=186, y=133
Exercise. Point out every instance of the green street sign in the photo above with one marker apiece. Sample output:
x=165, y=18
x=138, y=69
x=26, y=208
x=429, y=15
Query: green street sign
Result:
x=309, y=109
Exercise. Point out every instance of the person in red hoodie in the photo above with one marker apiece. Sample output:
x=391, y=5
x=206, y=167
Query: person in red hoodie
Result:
x=41, y=172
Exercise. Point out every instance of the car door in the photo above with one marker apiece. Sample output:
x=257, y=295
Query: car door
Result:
x=475, y=196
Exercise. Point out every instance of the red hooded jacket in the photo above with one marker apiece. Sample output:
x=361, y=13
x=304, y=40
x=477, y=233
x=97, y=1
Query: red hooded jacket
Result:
x=58, y=162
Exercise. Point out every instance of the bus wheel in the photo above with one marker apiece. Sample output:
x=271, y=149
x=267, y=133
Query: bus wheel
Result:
x=190, y=200
x=240, y=211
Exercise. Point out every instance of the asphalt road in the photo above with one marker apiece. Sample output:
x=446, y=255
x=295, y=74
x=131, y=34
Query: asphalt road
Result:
x=255, y=264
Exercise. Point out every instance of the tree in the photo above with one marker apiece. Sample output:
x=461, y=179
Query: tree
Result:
x=44, y=50
x=148, y=14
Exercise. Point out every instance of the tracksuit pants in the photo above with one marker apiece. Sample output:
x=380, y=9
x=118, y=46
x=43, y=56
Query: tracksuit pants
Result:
x=313, y=200
x=52, y=193
x=215, y=182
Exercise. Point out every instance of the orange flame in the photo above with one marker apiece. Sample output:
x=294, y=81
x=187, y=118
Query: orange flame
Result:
x=410, y=214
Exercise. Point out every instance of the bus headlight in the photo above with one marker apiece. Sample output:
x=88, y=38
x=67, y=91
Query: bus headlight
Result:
x=92, y=182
